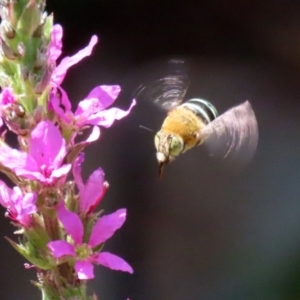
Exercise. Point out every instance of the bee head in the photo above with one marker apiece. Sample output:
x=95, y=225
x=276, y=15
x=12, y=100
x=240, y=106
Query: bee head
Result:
x=168, y=146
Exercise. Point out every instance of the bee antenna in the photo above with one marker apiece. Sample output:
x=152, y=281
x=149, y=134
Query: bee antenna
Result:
x=146, y=128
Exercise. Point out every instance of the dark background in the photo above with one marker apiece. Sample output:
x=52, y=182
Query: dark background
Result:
x=204, y=231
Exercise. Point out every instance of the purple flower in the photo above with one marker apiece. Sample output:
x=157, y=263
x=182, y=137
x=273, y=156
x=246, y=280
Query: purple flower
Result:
x=19, y=206
x=92, y=110
x=91, y=193
x=7, y=99
x=83, y=252
x=54, y=50
x=43, y=162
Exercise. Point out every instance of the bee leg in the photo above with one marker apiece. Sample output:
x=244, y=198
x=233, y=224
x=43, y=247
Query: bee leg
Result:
x=199, y=139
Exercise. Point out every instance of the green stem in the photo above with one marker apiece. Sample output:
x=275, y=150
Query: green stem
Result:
x=51, y=226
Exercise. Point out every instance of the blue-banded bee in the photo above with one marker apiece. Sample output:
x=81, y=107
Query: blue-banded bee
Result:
x=181, y=130
x=232, y=135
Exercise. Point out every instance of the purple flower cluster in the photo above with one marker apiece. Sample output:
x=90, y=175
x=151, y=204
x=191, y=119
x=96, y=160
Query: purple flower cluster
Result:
x=46, y=156
x=83, y=253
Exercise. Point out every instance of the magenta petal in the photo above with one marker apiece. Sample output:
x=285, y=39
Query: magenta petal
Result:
x=56, y=42
x=77, y=171
x=105, y=95
x=60, y=71
x=22, y=206
x=107, y=117
x=5, y=194
x=62, y=171
x=85, y=110
x=93, y=189
x=19, y=206
x=7, y=97
x=65, y=99
x=34, y=175
x=94, y=135
x=27, y=203
x=91, y=138
x=61, y=248
x=61, y=105
x=71, y=223
x=19, y=161
x=55, y=105
x=106, y=227
x=113, y=262
x=47, y=146
x=84, y=269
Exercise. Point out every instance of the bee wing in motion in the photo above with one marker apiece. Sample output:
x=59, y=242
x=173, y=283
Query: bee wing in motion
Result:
x=233, y=135
x=169, y=90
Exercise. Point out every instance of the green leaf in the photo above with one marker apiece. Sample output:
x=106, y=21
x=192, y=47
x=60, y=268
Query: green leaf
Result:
x=27, y=252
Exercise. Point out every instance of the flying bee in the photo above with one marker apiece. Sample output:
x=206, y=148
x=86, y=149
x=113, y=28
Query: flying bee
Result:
x=181, y=130
x=232, y=135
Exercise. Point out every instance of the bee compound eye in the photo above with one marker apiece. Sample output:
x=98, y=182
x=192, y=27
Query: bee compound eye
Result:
x=176, y=146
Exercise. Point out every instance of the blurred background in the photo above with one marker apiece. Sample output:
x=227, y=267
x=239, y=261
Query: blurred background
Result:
x=205, y=231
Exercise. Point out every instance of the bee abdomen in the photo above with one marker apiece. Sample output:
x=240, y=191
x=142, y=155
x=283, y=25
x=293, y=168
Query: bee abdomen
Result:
x=202, y=108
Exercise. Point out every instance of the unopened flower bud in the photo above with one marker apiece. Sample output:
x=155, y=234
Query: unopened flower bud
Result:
x=7, y=51
x=7, y=30
x=19, y=110
x=11, y=12
x=25, y=72
x=38, y=114
x=19, y=126
x=40, y=29
x=41, y=59
x=44, y=81
x=30, y=18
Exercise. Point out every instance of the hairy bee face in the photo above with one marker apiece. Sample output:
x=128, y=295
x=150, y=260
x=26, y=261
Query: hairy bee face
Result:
x=168, y=146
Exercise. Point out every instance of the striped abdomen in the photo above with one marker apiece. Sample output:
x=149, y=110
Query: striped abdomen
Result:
x=203, y=109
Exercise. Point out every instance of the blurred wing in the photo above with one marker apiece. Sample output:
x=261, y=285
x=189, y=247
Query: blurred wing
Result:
x=233, y=135
x=167, y=91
